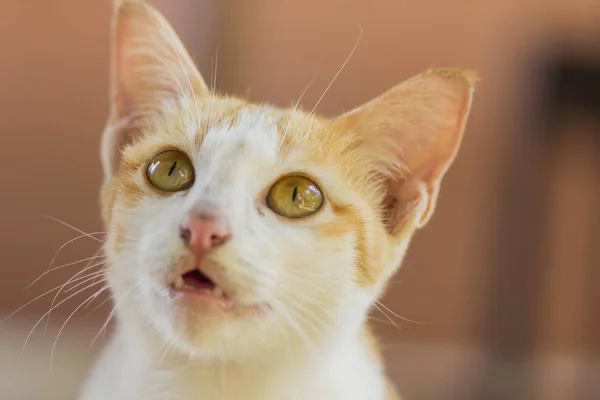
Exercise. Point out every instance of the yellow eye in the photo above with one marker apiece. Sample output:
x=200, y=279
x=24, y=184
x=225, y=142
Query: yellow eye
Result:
x=295, y=197
x=171, y=171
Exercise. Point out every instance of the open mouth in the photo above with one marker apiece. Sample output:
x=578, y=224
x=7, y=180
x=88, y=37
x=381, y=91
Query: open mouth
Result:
x=197, y=280
x=197, y=283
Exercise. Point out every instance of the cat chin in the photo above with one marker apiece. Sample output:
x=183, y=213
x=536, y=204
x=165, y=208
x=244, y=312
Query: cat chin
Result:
x=214, y=334
x=200, y=328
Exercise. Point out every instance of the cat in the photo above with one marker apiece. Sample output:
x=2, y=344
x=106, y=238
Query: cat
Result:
x=246, y=242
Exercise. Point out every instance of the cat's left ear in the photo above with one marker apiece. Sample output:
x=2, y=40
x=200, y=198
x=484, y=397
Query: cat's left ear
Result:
x=411, y=134
x=149, y=65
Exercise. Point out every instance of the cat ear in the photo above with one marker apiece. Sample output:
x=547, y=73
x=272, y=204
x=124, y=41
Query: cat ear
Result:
x=412, y=133
x=150, y=65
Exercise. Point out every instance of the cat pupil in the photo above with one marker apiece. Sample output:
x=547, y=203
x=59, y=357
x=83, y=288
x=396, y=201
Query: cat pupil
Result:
x=295, y=193
x=172, y=168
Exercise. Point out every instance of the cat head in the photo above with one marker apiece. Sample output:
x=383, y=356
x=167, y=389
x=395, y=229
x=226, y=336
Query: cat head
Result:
x=235, y=227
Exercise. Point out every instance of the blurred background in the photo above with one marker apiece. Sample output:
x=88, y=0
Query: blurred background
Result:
x=503, y=281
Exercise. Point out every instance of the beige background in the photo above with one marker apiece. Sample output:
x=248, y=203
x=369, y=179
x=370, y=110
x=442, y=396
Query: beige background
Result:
x=479, y=340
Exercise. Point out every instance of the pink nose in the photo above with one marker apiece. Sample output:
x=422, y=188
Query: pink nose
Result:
x=203, y=232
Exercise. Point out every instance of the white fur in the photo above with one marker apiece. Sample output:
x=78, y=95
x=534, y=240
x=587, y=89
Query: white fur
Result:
x=307, y=346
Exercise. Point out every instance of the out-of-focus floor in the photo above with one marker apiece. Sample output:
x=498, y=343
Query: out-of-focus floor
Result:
x=423, y=371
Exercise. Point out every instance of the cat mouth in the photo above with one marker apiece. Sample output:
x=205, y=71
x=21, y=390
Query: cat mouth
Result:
x=196, y=283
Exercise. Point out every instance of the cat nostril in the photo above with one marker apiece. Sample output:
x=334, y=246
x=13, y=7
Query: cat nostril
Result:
x=185, y=234
x=217, y=240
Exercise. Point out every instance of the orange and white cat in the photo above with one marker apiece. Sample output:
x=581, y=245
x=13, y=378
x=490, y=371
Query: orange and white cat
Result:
x=247, y=243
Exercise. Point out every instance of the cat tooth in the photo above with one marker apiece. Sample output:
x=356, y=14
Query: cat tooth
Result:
x=178, y=283
x=218, y=291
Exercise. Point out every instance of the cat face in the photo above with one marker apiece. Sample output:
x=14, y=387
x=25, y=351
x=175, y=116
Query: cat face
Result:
x=236, y=227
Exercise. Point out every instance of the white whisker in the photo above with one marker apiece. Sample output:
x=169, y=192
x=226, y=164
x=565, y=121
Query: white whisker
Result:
x=74, y=279
x=112, y=314
x=98, y=306
x=86, y=278
x=285, y=132
x=75, y=229
x=387, y=316
x=63, y=266
x=398, y=316
x=284, y=312
x=86, y=268
x=28, y=303
x=338, y=72
x=92, y=297
x=49, y=311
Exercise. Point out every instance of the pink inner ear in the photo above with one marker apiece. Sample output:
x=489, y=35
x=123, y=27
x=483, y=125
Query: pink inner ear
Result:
x=150, y=62
x=430, y=113
x=414, y=131
x=117, y=134
x=150, y=65
x=410, y=200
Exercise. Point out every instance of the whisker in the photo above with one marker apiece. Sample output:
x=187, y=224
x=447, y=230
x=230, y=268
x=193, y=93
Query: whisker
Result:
x=92, y=297
x=73, y=279
x=63, y=266
x=98, y=306
x=282, y=312
x=86, y=278
x=33, y=300
x=86, y=268
x=87, y=235
x=379, y=320
x=285, y=132
x=398, y=316
x=112, y=314
x=387, y=316
x=339, y=71
x=301, y=313
x=167, y=347
x=28, y=303
x=214, y=80
x=49, y=311
x=75, y=229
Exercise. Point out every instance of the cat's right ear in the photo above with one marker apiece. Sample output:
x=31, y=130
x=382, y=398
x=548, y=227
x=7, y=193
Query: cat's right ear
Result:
x=149, y=65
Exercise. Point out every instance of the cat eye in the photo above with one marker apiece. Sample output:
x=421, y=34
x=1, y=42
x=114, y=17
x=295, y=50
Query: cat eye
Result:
x=295, y=196
x=171, y=171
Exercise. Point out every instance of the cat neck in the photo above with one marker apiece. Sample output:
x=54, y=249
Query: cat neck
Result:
x=141, y=359
x=144, y=342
